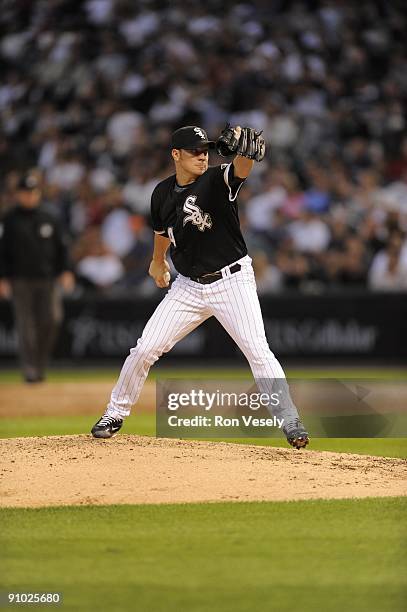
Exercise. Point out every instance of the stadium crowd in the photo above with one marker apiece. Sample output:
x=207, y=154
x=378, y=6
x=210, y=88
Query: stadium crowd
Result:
x=91, y=91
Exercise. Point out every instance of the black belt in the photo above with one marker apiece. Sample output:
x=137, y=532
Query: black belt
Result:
x=206, y=279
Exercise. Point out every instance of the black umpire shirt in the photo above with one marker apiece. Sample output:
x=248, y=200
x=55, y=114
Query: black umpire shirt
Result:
x=201, y=220
x=31, y=245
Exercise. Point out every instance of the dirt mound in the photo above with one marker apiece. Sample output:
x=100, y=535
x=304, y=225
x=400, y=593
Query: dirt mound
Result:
x=59, y=470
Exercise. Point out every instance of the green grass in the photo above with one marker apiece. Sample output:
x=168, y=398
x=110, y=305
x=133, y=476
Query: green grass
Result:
x=239, y=372
x=144, y=424
x=331, y=556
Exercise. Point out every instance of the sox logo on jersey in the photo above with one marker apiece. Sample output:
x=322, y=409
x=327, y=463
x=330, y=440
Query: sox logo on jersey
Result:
x=195, y=215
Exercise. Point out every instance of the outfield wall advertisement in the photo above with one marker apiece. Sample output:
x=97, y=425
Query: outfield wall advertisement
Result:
x=351, y=326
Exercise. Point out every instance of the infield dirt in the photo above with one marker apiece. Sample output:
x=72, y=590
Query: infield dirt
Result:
x=59, y=470
x=64, y=398
x=129, y=469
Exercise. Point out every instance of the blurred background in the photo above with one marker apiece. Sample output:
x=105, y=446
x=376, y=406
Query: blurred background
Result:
x=90, y=92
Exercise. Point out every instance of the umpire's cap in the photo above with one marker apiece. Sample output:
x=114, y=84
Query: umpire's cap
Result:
x=28, y=182
x=190, y=137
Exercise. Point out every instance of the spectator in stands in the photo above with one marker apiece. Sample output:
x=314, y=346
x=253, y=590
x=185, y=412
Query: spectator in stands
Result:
x=388, y=271
x=96, y=265
x=91, y=91
x=268, y=277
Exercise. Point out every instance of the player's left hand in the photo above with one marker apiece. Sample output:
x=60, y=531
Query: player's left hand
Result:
x=246, y=142
x=251, y=144
x=228, y=140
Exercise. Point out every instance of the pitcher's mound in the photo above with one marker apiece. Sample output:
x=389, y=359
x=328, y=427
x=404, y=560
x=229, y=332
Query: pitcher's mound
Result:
x=128, y=469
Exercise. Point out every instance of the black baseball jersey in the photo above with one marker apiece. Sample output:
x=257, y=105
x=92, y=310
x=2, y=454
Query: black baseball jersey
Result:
x=201, y=220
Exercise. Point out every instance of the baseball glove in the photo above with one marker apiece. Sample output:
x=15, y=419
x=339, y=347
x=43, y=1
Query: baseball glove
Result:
x=251, y=144
x=227, y=142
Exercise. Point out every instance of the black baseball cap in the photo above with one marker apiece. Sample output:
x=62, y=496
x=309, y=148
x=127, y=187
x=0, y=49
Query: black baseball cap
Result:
x=28, y=182
x=190, y=137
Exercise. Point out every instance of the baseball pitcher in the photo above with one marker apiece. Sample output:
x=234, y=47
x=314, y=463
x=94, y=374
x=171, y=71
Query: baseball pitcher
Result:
x=195, y=214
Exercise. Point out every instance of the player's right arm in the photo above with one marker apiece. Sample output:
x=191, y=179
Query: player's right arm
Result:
x=159, y=268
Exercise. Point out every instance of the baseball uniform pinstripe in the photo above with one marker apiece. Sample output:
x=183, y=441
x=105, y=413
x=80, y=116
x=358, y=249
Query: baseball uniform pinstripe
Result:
x=233, y=301
x=200, y=218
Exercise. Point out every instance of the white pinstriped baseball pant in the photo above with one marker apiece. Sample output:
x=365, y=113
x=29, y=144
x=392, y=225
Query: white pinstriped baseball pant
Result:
x=234, y=302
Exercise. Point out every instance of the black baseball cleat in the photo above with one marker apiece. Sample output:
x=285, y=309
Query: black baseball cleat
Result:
x=296, y=434
x=106, y=427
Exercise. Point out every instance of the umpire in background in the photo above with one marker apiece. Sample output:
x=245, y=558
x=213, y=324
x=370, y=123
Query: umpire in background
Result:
x=33, y=261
